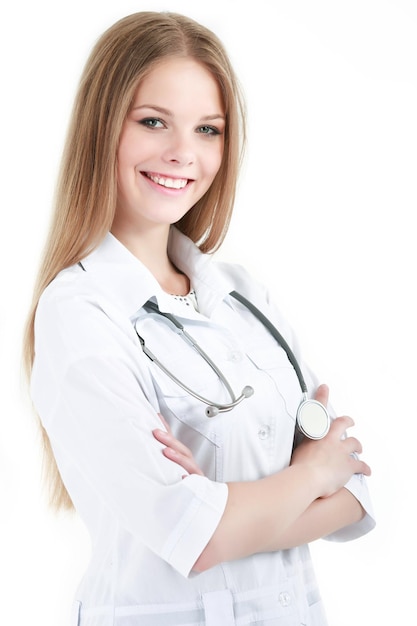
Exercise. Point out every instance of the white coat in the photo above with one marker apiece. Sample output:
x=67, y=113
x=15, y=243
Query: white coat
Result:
x=99, y=396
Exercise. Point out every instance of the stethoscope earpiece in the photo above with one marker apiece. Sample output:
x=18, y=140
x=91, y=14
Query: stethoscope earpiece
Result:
x=214, y=409
x=247, y=391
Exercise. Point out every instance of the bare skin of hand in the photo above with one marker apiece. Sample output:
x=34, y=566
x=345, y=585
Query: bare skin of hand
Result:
x=312, y=488
x=335, y=455
x=175, y=450
x=325, y=453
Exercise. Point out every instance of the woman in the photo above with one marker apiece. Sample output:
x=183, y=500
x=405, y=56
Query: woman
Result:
x=205, y=520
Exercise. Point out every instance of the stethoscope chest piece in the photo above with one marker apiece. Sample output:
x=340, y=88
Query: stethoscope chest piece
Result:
x=313, y=419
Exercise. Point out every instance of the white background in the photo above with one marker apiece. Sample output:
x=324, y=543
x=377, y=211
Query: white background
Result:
x=325, y=216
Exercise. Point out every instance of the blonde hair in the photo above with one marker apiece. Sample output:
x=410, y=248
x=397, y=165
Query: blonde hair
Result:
x=86, y=194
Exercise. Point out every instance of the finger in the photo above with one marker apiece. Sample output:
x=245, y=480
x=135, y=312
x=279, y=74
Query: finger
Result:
x=340, y=424
x=170, y=441
x=183, y=460
x=322, y=394
x=360, y=467
x=165, y=423
x=353, y=445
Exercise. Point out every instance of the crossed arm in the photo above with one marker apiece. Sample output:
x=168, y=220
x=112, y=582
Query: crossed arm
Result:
x=297, y=505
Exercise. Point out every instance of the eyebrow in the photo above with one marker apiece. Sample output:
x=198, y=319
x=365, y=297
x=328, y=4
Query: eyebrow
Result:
x=205, y=118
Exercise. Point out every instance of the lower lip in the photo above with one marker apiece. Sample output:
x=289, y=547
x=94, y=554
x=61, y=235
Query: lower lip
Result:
x=169, y=191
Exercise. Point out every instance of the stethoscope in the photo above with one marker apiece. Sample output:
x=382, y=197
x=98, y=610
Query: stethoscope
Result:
x=313, y=419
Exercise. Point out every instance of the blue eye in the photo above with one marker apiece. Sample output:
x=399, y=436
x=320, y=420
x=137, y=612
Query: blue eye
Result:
x=208, y=130
x=151, y=122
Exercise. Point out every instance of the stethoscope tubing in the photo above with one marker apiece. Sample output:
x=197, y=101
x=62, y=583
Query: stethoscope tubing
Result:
x=276, y=334
x=213, y=408
x=312, y=417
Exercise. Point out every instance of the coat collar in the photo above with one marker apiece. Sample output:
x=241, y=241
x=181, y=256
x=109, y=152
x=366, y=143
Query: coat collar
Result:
x=120, y=277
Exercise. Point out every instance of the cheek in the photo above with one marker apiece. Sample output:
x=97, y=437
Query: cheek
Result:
x=134, y=147
x=122, y=163
x=126, y=155
x=215, y=160
x=129, y=160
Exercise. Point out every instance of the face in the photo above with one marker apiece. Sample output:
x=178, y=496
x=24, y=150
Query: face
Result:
x=171, y=145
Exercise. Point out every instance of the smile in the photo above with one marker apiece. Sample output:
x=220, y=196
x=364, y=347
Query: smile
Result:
x=170, y=183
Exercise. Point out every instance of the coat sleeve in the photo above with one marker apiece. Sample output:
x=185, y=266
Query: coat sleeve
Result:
x=91, y=395
x=357, y=485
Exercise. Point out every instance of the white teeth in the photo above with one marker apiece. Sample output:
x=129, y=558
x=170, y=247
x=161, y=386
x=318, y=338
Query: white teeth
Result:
x=171, y=183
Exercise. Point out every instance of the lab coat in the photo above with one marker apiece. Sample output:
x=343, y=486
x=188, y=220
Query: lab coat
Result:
x=98, y=396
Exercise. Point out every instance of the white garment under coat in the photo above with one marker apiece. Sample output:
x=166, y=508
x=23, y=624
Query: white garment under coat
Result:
x=99, y=396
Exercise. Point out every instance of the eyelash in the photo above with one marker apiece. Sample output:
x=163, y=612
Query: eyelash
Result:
x=213, y=131
x=150, y=122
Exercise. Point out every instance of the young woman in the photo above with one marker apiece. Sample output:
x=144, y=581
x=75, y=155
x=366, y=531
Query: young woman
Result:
x=199, y=503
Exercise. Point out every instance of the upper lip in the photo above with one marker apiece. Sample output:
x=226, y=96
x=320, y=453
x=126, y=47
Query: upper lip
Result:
x=173, y=176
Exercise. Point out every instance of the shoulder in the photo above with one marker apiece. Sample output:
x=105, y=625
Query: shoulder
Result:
x=69, y=295
x=76, y=319
x=244, y=282
x=259, y=295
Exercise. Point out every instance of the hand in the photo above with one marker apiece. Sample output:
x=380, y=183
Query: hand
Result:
x=333, y=458
x=175, y=450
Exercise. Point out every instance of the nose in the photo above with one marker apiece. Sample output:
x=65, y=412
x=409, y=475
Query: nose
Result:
x=179, y=150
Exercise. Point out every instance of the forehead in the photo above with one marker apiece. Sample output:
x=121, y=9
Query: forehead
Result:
x=180, y=79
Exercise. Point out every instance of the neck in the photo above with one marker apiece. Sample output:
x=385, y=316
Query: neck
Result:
x=151, y=248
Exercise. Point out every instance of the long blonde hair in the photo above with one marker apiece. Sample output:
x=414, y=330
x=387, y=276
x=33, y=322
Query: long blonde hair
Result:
x=86, y=194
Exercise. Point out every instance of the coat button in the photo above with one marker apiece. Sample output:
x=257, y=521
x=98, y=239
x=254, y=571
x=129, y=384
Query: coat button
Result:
x=235, y=356
x=284, y=598
x=264, y=432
